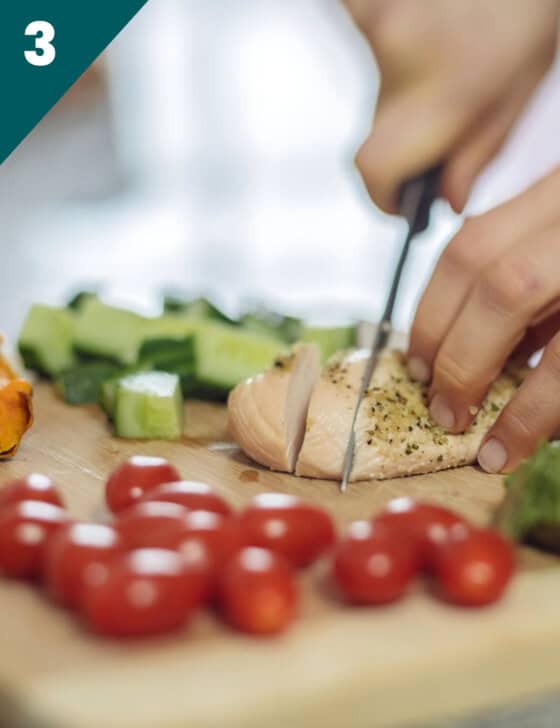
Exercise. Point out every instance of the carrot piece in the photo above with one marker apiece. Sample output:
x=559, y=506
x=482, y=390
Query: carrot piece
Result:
x=16, y=412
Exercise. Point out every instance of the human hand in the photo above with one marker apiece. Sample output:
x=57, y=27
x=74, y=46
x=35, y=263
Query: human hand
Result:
x=496, y=291
x=454, y=78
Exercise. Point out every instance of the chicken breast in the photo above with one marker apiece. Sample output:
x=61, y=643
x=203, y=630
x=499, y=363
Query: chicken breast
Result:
x=395, y=435
x=267, y=413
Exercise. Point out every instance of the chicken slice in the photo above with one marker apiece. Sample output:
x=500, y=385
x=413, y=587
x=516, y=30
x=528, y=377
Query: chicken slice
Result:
x=267, y=412
x=395, y=434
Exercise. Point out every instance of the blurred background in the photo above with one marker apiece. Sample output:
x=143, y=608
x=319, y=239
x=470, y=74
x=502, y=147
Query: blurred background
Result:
x=210, y=149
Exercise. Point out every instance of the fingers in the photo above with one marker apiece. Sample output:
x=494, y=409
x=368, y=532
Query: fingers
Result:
x=532, y=415
x=538, y=335
x=482, y=142
x=410, y=133
x=481, y=240
x=507, y=296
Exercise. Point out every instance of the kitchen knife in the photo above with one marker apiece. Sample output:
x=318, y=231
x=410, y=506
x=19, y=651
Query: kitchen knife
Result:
x=416, y=198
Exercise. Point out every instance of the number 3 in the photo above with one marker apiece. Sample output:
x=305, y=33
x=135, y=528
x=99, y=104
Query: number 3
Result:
x=44, y=34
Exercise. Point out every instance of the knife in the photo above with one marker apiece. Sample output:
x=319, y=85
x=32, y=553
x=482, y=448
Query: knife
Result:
x=416, y=198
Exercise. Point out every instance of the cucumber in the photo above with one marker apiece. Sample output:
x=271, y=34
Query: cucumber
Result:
x=172, y=355
x=267, y=323
x=110, y=332
x=197, y=308
x=330, y=339
x=165, y=353
x=78, y=299
x=82, y=384
x=224, y=355
x=149, y=405
x=46, y=340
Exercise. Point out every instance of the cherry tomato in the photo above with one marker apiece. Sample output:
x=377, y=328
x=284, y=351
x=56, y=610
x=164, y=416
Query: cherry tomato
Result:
x=206, y=542
x=25, y=529
x=77, y=555
x=427, y=524
x=258, y=591
x=299, y=531
x=147, y=525
x=474, y=566
x=139, y=474
x=191, y=494
x=34, y=487
x=373, y=564
x=146, y=591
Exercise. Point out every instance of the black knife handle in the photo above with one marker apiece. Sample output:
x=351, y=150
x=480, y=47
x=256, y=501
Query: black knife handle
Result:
x=416, y=197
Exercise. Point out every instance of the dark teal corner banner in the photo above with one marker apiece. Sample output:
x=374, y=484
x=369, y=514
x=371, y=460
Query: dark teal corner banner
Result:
x=45, y=45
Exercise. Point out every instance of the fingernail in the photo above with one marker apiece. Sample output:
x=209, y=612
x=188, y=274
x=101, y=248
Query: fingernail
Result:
x=418, y=369
x=441, y=412
x=492, y=456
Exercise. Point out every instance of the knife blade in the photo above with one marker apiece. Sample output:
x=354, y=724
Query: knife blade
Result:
x=417, y=196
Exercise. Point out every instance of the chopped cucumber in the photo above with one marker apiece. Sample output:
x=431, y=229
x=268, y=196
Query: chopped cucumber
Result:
x=224, y=355
x=78, y=299
x=330, y=339
x=165, y=352
x=197, y=308
x=107, y=331
x=82, y=384
x=45, y=342
x=149, y=405
x=172, y=355
x=267, y=323
x=172, y=327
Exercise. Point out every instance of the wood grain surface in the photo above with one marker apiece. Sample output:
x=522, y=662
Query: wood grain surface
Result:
x=411, y=663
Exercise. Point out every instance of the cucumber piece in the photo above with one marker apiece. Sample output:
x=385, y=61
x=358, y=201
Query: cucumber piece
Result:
x=149, y=405
x=197, y=308
x=166, y=353
x=108, y=389
x=45, y=341
x=82, y=384
x=267, y=323
x=330, y=339
x=172, y=327
x=107, y=331
x=224, y=356
x=78, y=299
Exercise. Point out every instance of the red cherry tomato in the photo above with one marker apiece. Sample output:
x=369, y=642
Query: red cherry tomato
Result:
x=77, y=555
x=300, y=531
x=146, y=591
x=34, y=487
x=189, y=493
x=474, y=566
x=373, y=565
x=139, y=474
x=258, y=591
x=25, y=529
x=147, y=525
x=206, y=542
x=427, y=524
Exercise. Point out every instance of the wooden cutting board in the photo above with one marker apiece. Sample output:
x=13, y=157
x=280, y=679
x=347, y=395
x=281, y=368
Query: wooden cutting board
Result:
x=412, y=662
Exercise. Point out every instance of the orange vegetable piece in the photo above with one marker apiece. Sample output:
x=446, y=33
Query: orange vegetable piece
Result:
x=16, y=413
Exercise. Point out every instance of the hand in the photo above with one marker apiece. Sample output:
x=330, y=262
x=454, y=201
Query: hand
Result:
x=496, y=291
x=454, y=78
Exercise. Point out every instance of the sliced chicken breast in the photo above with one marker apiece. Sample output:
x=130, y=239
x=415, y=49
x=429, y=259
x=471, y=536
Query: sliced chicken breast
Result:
x=267, y=413
x=395, y=434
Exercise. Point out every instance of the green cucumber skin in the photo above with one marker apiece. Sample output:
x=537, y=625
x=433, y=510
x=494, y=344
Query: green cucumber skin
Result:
x=83, y=384
x=267, y=323
x=200, y=308
x=46, y=340
x=147, y=409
